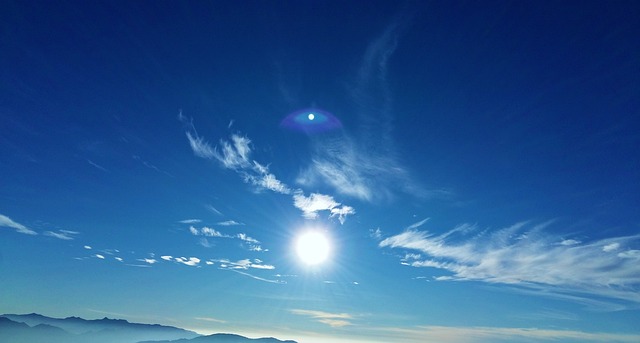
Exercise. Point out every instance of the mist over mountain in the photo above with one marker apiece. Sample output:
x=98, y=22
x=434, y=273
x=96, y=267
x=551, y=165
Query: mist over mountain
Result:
x=36, y=328
x=225, y=338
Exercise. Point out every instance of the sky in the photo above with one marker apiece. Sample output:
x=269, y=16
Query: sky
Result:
x=469, y=171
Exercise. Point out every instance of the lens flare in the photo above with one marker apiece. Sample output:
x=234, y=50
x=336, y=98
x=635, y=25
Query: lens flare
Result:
x=311, y=120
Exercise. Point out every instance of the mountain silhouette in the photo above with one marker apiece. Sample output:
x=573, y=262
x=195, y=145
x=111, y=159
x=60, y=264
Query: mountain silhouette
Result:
x=224, y=338
x=36, y=328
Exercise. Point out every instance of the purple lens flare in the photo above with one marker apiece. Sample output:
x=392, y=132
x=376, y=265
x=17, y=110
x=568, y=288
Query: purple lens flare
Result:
x=311, y=120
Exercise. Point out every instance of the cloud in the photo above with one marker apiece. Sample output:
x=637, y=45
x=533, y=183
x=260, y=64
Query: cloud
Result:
x=331, y=319
x=213, y=209
x=200, y=147
x=191, y=261
x=207, y=232
x=258, y=278
x=235, y=154
x=61, y=234
x=88, y=247
x=375, y=234
x=151, y=166
x=365, y=165
x=148, y=260
x=208, y=319
x=229, y=223
x=190, y=221
x=99, y=256
x=7, y=222
x=244, y=264
x=526, y=256
x=97, y=165
x=315, y=202
x=166, y=257
x=244, y=237
x=611, y=247
x=478, y=334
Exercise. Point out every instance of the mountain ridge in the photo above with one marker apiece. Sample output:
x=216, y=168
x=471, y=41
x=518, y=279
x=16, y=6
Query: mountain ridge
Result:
x=37, y=328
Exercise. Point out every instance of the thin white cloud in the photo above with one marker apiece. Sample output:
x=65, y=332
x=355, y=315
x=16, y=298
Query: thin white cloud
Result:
x=119, y=259
x=244, y=237
x=148, y=260
x=332, y=319
x=258, y=278
x=200, y=147
x=209, y=319
x=166, y=257
x=190, y=221
x=235, y=154
x=151, y=166
x=88, y=247
x=97, y=166
x=99, y=256
x=529, y=258
x=315, y=202
x=375, y=234
x=243, y=264
x=213, y=209
x=229, y=223
x=7, y=222
x=457, y=334
x=569, y=242
x=61, y=234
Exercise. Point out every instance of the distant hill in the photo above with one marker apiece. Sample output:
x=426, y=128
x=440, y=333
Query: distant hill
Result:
x=36, y=328
x=224, y=338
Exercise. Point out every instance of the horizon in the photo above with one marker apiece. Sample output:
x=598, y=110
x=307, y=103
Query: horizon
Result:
x=325, y=171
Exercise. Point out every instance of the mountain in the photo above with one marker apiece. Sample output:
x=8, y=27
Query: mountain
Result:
x=224, y=338
x=36, y=328
x=16, y=332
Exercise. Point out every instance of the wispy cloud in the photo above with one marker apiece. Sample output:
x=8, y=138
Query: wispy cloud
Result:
x=229, y=223
x=315, y=202
x=529, y=256
x=210, y=232
x=243, y=264
x=456, y=334
x=258, y=278
x=97, y=165
x=7, y=222
x=209, y=319
x=151, y=166
x=61, y=234
x=331, y=319
x=190, y=221
x=213, y=209
x=365, y=165
x=235, y=154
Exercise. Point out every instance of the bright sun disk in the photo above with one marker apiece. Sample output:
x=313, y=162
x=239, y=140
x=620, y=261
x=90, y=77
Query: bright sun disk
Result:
x=313, y=247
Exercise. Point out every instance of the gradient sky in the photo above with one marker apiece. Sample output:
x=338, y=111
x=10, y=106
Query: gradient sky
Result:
x=480, y=181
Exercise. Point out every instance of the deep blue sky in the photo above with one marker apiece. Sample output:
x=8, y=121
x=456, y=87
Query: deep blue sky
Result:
x=483, y=184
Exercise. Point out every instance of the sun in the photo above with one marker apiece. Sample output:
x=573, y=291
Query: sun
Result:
x=313, y=247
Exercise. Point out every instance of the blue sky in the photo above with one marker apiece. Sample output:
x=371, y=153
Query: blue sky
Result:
x=478, y=182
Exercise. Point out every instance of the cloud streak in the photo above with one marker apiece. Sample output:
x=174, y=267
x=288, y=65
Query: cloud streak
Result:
x=526, y=255
x=7, y=222
x=61, y=234
x=454, y=334
x=335, y=320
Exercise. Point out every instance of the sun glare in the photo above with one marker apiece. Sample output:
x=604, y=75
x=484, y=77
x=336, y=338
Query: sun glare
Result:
x=313, y=247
